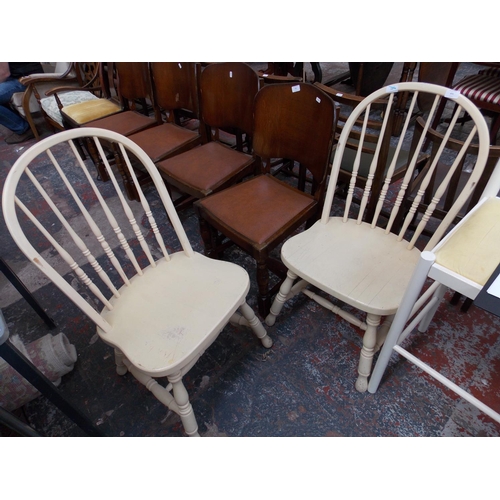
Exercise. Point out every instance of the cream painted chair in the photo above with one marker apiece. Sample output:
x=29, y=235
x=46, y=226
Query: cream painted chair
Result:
x=159, y=309
x=463, y=261
x=368, y=264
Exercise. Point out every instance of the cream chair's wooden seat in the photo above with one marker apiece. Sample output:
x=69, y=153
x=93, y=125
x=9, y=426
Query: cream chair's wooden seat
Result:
x=371, y=275
x=179, y=307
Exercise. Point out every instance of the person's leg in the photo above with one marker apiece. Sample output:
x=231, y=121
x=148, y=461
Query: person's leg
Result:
x=9, y=118
x=12, y=121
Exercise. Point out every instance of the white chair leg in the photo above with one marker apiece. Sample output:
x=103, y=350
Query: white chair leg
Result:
x=280, y=298
x=121, y=369
x=367, y=352
x=424, y=323
x=398, y=325
x=256, y=325
x=185, y=409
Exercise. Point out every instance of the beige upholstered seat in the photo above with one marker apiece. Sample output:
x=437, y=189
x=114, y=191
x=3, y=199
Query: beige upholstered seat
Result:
x=461, y=253
x=80, y=110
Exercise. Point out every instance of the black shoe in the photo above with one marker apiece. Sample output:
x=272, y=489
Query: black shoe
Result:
x=17, y=138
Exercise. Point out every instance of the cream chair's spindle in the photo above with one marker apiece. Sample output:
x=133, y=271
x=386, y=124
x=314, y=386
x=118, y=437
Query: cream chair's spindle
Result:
x=442, y=187
x=92, y=224
x=392, y=166
x=144, y=203
x=74, y=236
x=82, y=276
x=112, y=220
x=355, y=166
x=374, y=162
x=98, y=234
x=426, y=181
x=410, y=172
x=126, y=208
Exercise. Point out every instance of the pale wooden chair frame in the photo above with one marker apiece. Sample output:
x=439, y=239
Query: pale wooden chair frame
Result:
x=164, y=335
x=359, y=256
x=418, y=309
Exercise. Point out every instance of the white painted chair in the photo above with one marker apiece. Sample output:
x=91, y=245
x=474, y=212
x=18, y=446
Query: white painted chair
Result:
x=160, y=310
x=368, y=264
x=463, y=261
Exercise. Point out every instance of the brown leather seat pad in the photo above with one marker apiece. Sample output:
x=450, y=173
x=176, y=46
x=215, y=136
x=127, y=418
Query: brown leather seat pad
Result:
x=126, y=123
x=259, y=208
x=206, y=166
x=165, y=138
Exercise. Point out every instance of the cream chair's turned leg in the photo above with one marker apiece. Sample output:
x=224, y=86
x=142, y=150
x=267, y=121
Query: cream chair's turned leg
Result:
x=280, y=298
x=367, y=352
x=382, y=332
x=121, y=369
x=256, y=325
x=185, y=409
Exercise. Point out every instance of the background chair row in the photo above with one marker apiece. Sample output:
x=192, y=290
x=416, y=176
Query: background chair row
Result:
x=173, y=92
x=295, y=122
x=365, y=262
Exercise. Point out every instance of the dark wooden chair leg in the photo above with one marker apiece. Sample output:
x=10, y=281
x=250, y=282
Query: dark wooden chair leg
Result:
x=455, y=299
x=264, y=297
x=466, y=305
x=102, y=174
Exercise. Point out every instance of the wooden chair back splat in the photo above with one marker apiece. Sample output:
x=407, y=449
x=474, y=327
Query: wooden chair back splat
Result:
x=175, y=88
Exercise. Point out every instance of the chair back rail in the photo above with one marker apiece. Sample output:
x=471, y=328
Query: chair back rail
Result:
x=476, y=134
x=100, y=219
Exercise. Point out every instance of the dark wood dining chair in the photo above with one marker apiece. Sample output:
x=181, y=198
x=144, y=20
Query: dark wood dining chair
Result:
x=227, y=92
x=131, y=84
x=294, y=121
x=125, y=112
x=175, y=92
